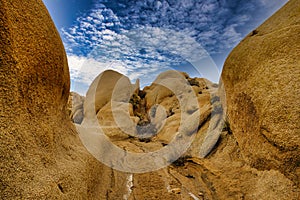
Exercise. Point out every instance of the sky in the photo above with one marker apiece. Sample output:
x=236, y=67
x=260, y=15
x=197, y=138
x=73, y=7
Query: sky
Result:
x=142, y=38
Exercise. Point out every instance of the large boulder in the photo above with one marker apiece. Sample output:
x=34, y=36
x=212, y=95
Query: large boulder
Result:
x=41, y=156
x=261, y=78
x=109, y=85
x=107, y=101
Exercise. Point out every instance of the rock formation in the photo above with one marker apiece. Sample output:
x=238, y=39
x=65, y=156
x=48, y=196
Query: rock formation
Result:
x=161, y=115
x=253, y=155
x=169, y=98
x=41, y=156
x=261, y=79
x=111, y=89
x=75, y=107
x=248, y=162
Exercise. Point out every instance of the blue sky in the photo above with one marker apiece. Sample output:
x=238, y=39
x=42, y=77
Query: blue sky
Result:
x=141, y=38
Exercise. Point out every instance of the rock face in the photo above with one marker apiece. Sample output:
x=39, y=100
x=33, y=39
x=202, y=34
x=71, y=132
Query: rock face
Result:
x=255, y=155
x=104, y=90
x=261, y=78
x=111, y=89
x=41, y=156
x=223, y=174
x=75, y=107
x=160, y=114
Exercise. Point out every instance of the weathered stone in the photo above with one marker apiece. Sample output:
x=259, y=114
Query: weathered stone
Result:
x=75, y=107
x=261, y=80
x=41, y=156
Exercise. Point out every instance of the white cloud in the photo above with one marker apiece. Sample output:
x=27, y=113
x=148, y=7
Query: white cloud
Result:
x=85, y=70
x=89, y=18
x=142, y=53
x=139, y=49
x=135, y=54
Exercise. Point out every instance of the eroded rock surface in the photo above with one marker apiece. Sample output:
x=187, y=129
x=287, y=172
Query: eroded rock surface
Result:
x=41, y=156
x=261, y=79
x=174, y=110
x=254, y=155
x=75, y=107
x=247, y=162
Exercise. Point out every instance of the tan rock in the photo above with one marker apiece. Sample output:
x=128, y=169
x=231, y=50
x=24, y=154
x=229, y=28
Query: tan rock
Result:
x=158, y=116
x=75, y=107
x=100, y=92
x=41, y=154
x=107, y=102
x=261, y=80
x=165, y=85
x=176, y=190
x=224, y=173
x=110, y=86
